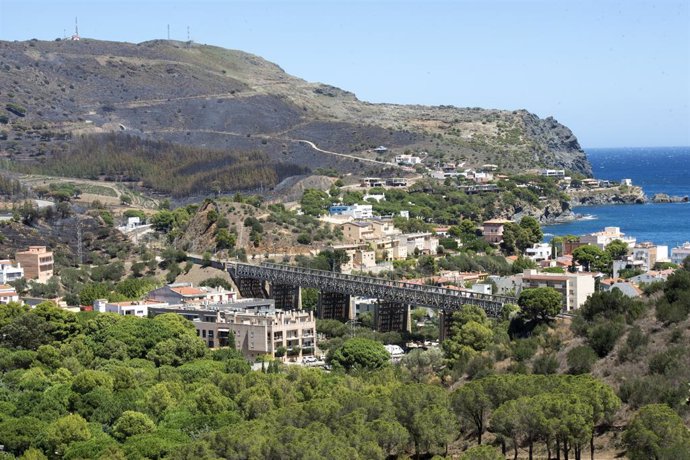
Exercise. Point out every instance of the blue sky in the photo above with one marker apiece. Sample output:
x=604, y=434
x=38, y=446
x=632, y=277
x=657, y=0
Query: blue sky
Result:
x=616, y=72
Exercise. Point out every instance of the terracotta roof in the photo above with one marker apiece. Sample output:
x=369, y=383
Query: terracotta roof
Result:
x=496, y=221
x=188, y=291
x=4, y=287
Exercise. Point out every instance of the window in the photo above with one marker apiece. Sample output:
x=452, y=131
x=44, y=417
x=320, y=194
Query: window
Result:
x=210, y=334
x=203, y=333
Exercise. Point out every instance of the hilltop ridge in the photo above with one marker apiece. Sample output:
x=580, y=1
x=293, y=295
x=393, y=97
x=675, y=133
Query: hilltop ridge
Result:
x=210, y=97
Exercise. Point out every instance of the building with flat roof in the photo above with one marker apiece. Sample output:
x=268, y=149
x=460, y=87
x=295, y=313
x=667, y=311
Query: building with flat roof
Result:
x=356, y=211
x=609, y=234
x=37, y=262
x=574, y=287
x=650, y=253
x=138, y=308
x=10, y=271
x=257, y=326
x=680, y=253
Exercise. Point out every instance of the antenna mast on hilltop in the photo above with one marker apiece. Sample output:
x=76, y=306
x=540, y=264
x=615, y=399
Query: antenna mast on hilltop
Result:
x=168, y=31
x=75, y=37
x=189, y=37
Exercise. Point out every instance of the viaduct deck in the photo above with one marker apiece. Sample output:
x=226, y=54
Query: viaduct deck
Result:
x=395, y=291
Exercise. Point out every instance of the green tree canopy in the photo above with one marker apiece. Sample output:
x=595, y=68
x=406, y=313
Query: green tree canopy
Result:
x=540, y=303
x=657, y=432
x=359, y=353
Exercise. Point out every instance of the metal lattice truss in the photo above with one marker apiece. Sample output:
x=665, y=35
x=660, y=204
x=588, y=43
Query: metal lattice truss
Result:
x=366, y=286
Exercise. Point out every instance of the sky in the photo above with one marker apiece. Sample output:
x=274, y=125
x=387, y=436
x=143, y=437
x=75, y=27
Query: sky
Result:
x=616, y=72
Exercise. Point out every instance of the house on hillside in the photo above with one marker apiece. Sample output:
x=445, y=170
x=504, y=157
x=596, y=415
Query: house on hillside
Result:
x=492, y=230
x=186, y=293
x=10, y=271
x=8, y=294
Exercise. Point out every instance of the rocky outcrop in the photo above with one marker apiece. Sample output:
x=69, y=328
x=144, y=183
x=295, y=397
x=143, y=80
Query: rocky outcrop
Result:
x=664, y=198
x=603, y=196
x=552, y=212
x=562, y=147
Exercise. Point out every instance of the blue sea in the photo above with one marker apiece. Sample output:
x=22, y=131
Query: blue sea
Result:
x=656, y=170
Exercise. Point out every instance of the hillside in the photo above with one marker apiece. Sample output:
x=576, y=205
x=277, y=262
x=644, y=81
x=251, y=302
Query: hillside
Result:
x=209, y=97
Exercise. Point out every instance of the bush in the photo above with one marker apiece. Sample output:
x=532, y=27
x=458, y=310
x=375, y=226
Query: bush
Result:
x=636, y=340
x=667, y=361
x=303, y=238
x=581, y=359
x=524, y=349
x=603, y=336
x=545, y=365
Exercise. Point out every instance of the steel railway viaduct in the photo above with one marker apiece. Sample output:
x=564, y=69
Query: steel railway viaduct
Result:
x=336, y=292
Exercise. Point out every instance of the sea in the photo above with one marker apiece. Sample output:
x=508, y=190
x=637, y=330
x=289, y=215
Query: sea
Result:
x=656, y=170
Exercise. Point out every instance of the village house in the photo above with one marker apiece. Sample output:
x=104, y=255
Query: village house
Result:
x=10, y=271
x=492, y=230
x=186, y=293
x=8, y=294
x=539, y=252
x=407, y=160
x=356, y=211
x=138, y=308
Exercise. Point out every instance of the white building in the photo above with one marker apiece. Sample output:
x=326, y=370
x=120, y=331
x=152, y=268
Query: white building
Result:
x=425, y=243
x=482, y=288
x=356, y=211
x=679, y=253
x=408, y=160
x=8, y=294
x=10, y=272
x=626, y=182
x=539, y=252
x=603, y=238
x=128, y=308
x=650, y=253
x=552, y=173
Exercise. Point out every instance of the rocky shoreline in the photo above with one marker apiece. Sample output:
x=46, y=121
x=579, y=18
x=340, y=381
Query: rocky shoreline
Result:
x=664, y=198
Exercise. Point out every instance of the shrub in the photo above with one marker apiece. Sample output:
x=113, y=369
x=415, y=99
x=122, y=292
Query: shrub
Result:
x=545, y=365
x=603, y=336
x=581, y=359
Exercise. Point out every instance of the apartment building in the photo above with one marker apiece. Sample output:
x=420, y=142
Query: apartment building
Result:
x=680, y=253
x=37, y=262
x=258, y=328
x=574, y=287
x=649, y=253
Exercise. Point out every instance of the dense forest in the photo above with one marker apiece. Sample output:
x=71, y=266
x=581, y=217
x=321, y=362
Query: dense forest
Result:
x=88, y=385
x=165, y=167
